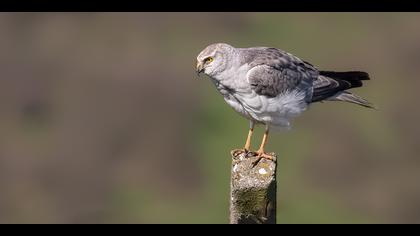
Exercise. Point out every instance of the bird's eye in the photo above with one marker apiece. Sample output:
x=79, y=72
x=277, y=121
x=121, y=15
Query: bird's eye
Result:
x=208, y=59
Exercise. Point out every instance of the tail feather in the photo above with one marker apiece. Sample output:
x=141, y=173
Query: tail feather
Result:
x=346, y=96
x=332, y=86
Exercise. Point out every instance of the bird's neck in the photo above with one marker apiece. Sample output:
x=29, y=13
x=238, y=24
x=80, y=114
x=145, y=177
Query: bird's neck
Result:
x=232, y=81
x=234, y=76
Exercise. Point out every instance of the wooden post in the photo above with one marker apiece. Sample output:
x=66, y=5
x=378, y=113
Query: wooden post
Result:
x=252, y=190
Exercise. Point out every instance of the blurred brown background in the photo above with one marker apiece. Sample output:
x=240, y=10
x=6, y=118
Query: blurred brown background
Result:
x=103, y=119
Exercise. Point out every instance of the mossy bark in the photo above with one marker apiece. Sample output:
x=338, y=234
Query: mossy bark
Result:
x=253, y=190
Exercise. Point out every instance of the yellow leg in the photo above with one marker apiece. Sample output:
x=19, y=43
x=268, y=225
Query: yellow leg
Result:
x=263, y=143
x=247, y=147
x=248, y=139
x=261, y=153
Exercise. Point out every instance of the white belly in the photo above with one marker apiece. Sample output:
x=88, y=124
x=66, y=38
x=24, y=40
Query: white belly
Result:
x=276, y=111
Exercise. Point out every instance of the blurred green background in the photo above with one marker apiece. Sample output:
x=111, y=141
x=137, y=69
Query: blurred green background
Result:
x=103, y=119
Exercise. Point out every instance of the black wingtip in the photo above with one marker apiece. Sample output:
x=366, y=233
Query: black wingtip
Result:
x=348, y=75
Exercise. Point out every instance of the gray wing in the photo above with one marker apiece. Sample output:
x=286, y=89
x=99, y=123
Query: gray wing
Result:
x=274, y=72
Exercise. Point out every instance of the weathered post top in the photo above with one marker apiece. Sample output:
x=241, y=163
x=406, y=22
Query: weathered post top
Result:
x=253, y=190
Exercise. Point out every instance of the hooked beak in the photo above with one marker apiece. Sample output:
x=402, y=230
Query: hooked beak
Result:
x=200, y=68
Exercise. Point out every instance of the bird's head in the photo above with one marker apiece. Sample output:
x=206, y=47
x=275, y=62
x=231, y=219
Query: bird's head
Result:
x=214, y=59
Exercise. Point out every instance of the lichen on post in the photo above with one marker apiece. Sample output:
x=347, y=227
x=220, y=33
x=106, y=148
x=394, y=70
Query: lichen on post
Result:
x=253, y=190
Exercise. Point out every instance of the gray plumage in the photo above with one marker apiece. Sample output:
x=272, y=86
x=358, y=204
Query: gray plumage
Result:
x=270, y=86
x=274, y=71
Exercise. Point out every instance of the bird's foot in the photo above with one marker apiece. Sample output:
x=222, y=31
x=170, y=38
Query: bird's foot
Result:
x=259, y=154
x=237, y=152
x=262, y=155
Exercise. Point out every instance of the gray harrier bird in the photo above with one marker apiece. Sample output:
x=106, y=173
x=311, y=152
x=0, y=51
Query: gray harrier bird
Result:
x=270, y=86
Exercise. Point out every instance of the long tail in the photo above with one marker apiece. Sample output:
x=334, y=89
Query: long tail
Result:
x=332, y=86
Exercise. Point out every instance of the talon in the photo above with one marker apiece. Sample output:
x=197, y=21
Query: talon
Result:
x=238, y=152
x=250, y=154
x=262, y=155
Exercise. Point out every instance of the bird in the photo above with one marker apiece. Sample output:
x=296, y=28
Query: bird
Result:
x=269, y=86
